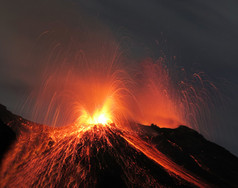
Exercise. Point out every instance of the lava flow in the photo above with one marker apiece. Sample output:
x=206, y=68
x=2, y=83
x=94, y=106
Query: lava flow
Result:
x=89, y=156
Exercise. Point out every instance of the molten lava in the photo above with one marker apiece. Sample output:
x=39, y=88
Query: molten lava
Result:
x=110, y=156
x=86, y=88
x=72, y=157
x=100, y=116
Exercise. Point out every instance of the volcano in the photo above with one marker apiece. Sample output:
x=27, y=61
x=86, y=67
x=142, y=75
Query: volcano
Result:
x=35, y=155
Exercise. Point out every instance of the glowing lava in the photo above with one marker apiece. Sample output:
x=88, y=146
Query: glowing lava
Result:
x=100, y=116
x=72, y=157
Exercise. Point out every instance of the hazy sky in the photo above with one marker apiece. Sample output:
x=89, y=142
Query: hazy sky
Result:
x=203, y=35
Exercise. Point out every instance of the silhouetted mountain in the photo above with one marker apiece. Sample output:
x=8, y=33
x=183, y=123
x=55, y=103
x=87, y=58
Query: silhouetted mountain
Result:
x=108, y=156
x=191, y=150
x=7, y=137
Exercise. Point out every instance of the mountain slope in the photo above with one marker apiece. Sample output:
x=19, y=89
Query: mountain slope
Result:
x=106, y=156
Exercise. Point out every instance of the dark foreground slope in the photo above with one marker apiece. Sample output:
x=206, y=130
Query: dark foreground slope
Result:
x=191, y=150
x=40, y=156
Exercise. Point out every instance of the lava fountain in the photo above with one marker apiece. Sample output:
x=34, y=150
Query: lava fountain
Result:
x=97, y=100
x=91, y=87
x=85, y=87
x=86, y=78
x=91, y=96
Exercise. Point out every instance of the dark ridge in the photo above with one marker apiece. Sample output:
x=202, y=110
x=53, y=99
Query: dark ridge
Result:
x=190, y=149
x=5, y=115
x=7, y=137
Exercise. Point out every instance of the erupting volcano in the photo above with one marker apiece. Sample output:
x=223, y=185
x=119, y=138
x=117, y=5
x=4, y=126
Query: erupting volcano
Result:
x=101, y=118
x=101, y=141
x=96, y=109
x=104, y=155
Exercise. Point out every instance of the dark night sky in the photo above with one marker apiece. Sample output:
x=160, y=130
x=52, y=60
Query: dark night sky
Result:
x=202, y=34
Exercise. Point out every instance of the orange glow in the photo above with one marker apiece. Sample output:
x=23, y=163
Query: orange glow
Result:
x=96, y=84
x=100, y=116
